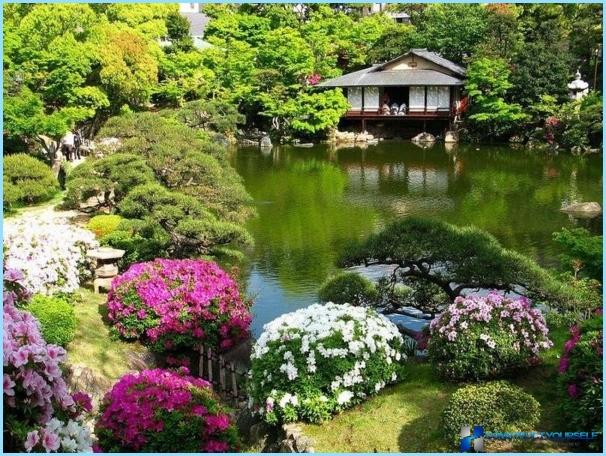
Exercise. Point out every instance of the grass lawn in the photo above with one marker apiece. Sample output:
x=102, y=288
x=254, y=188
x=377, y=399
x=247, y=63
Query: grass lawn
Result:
x=407, y=417
x=95, y=347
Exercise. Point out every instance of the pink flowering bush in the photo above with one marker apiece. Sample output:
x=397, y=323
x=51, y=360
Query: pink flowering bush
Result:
x=164, y=411
x=39, y=412
x=178, y=304
x=486, y=336
x=581, y=375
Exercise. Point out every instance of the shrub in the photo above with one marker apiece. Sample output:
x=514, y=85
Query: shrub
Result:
x=349, y=287
x=138, y=243
x=51, y=256
x=102, y=225
x=581, y=367
x=27, y=180
x=318, y=360
x=39, y=412
x=498, y=406
x=582, y=252
x=175, y=304
x=57, y=318
x=164, y=411
x=486, y=336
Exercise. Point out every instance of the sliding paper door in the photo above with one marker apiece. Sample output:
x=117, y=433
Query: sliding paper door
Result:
x=416, y=98
x=354, y=96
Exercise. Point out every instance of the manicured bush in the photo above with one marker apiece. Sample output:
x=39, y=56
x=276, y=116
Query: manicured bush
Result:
x=177, y=304
x=57, y=318
x=349, y=287
x=39, y=412
x=164, y=411
x=498, y=406
x=51, y=256
x=27, y=180
x=581, y=367
x=486, y=336
x=102, y=225
x=312, y=363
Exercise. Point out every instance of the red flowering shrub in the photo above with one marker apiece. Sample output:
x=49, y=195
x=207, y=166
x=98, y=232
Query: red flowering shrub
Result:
x=177, y=304
x=163, y=411
x=581, y=375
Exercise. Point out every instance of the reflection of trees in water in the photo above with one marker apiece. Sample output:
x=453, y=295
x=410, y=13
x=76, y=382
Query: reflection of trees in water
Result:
x=302, y=221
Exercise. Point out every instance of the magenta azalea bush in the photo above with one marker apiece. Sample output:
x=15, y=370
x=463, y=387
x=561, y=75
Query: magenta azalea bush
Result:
x=164, y=411
x=40, y=414
x=483, y=337
x=581, y=368
x=175, y=304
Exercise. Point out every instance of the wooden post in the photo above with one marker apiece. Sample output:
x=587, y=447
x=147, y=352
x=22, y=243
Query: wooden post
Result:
x=209, y=364
x=363, y=124
x=425, y=104
x=201, y=363
x=222, y=374
x=234, y=385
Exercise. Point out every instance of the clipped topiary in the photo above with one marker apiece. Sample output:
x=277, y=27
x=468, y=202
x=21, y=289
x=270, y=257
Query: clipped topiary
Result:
x=27, y=180
x=105, y=224
x=57, y=318
x=309, y=364
x=172, y=305
x=164, y=411
x=484, y=337
x=498, y=406
x=349, y=287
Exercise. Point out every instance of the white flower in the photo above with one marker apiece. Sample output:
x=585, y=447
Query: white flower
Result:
x=344, y=397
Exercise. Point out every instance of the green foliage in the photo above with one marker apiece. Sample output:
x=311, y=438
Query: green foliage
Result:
x=498, y=406
x=213, y=115
x=349, y=287
x=487, y=84
x=582, y=252
x=579, y=123
x=27, y=180
x=105, y=224
x=57, y=318
x=140, y=241
x=108, y=179
x=581, y=372
x=474, y=259
x=187, y=226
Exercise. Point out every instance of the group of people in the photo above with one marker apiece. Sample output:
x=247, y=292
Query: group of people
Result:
x=70, y=146
x=394, y=109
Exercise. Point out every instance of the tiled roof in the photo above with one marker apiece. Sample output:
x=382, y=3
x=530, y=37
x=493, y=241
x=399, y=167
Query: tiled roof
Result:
x=367, y=77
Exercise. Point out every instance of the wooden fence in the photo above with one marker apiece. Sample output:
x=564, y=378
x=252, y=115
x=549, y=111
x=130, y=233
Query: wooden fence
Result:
x=227, y=380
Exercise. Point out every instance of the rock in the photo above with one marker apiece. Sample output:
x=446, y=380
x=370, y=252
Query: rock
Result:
x=106, y=146
x=81, y=378
x=424, y=138
x=451, y=136
x=265, y=142
x=247, y=142
x=303, y=144
x=295, y=441
x=589, y=210
x=516, y=139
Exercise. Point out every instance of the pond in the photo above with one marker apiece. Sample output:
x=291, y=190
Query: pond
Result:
x=312, y=201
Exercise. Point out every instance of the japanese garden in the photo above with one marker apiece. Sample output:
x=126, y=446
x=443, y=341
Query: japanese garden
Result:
x=339, y=227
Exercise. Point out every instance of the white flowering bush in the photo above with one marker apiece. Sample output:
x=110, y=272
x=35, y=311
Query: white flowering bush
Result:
x=309, y=364
x=51, y=255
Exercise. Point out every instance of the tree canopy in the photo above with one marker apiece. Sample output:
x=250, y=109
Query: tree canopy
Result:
x=455, y=259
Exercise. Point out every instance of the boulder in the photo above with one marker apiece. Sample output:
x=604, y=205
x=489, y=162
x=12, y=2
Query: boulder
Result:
x=589, y=209
x=424, y=138
x=451, y=136
x=265, y=142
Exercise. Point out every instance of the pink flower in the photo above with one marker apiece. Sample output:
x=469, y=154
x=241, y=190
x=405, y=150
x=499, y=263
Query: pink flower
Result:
x=50, y=441
x=8, y=385
x=31, y=441
x=573, y=390
x=215, y=446
x=83, y=400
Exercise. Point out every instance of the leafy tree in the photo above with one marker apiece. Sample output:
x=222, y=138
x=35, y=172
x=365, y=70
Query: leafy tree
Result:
x=187, y=227
x=455, y=259
x=487, y=84
x=395, y=41
x=582, y=252
x=177, y=32
x=213, y=115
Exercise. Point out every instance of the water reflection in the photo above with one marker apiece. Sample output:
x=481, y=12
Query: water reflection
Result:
x=312, y=201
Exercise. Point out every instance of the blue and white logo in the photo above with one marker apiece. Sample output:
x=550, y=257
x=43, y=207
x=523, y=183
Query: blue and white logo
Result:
x=472, y=442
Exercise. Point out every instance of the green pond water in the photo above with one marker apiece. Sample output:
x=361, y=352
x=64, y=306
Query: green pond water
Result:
x=311, y=202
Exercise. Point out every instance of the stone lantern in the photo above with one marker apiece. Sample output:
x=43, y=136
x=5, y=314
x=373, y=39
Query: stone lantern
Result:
x=578, y=88
x=106, y=268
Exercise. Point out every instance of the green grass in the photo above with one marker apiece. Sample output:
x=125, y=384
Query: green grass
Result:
x=407, y=417
x=94, y=346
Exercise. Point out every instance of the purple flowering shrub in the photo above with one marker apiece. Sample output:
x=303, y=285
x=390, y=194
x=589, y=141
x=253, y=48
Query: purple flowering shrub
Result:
x=164, y=411
x=483, y=337
x=177, y=304
x=40, y=414
x=581, y=375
